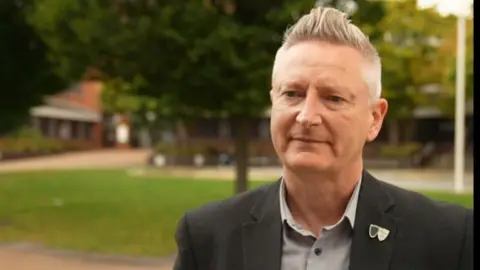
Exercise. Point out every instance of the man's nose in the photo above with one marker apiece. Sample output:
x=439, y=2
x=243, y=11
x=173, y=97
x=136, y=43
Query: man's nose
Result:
x=309, y=114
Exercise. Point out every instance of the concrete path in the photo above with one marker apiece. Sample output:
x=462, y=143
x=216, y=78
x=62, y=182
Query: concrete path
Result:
x=31, y=257
x=425, y=179
x=136, y=158
x=111, y=158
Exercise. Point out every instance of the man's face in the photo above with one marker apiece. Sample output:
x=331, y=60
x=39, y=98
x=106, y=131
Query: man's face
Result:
x=321, y=111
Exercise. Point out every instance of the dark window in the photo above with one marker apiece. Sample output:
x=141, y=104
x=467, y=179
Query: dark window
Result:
x=206, y=128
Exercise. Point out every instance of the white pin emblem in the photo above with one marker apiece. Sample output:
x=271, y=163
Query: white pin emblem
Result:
x=377, y=231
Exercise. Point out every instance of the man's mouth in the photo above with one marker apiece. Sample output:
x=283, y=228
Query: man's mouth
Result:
x=307, y=140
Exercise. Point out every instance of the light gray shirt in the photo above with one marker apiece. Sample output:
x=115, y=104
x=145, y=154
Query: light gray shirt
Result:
x=303, y=251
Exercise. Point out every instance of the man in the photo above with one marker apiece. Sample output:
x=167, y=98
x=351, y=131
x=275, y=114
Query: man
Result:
x=326, y=211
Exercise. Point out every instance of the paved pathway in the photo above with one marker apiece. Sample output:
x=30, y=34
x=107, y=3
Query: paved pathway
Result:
x=136, y=158
x=112, y=158
x=428, y=179
x=30, y=257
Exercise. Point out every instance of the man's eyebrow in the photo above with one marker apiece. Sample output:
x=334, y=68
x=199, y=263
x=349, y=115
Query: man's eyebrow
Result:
x=328, y=83
x=290, y=84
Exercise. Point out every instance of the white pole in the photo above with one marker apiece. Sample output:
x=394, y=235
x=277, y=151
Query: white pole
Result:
x=460, y=108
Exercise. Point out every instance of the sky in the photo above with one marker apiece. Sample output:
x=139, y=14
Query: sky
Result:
x=446, y=7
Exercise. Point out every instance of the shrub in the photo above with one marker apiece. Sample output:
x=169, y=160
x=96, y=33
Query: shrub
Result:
x=215, y=147
x=399, y=151
x=27, y=140
x=174, y=150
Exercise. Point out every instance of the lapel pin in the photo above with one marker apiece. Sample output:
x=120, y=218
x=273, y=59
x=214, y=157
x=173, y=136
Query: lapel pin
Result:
x=376, y=231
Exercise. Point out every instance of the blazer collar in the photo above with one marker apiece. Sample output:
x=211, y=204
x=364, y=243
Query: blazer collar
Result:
x=375, y=205
x=262, y=233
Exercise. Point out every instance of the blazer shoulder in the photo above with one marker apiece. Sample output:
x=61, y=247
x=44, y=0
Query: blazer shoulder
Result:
x=414, y=206
x=438, y=229
x=234, y=209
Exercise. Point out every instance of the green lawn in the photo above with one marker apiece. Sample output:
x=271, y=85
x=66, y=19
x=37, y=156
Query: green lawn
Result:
x=108, y=211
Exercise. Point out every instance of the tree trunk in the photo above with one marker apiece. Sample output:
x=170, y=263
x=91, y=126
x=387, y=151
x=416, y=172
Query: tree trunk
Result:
x=241, y=153
x=181, y=133
x=410, y=130
x=393, y=132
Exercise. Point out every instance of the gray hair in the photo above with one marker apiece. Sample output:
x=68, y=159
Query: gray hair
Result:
x=331, y=25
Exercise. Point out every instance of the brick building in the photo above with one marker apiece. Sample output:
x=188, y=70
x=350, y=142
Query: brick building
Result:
x=72, y=115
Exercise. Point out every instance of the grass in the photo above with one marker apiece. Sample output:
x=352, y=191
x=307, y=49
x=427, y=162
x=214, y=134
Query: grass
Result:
x=109, y=211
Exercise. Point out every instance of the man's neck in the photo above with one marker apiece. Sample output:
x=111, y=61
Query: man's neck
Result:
x=319, y=200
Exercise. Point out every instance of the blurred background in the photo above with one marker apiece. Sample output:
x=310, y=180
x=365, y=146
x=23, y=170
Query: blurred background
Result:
x=117, y=116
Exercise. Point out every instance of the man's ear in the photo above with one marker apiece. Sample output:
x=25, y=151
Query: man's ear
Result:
x=379, y=110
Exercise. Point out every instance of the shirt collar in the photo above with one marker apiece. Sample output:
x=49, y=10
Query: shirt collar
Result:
x=349, y=213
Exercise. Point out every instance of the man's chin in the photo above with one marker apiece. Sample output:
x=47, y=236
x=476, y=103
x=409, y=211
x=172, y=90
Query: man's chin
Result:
x=309, y=161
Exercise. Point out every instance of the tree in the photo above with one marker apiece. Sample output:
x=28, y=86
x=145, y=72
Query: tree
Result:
x=366, y=14
x=447, y=60
x=132, y=46
x=240, y=44
x=146, y=112
x=25, y=73
x=196, y=57
x=410, y=55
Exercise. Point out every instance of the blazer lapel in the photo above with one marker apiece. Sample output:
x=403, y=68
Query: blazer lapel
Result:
x=262, y=235
x=373, y=208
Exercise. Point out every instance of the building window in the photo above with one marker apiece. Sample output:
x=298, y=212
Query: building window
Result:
x=81, y=130
x=75, y=89
x=65, y=130
x=224, y=130
x=52, y=128
x=206, y=128
x=36, y=123
x=43, y=126
x=89, y=131
x=264, y=129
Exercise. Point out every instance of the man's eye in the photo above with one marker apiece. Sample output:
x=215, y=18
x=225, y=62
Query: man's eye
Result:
x=335, y=99
x=290, y=93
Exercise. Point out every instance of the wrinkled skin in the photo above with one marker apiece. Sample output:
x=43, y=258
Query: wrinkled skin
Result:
x=322, y=110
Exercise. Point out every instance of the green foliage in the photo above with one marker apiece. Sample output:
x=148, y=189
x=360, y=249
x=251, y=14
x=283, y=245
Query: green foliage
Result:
x=448, y=56
x=192, y=56
x=27, y=140
x=399, y=151
x=120, y=96
x=24, y=146
x=25, y=74
x=365, y=13
x=410, y=54
x=26, y=133
x=175, y=150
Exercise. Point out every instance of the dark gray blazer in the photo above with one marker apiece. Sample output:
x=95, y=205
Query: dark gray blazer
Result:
x=245, y=232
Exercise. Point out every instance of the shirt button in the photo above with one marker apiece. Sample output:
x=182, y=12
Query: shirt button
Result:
x=318, y=251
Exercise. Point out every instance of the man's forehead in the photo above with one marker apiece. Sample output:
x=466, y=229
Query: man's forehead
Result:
x=314, y=72
x=331, y=58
